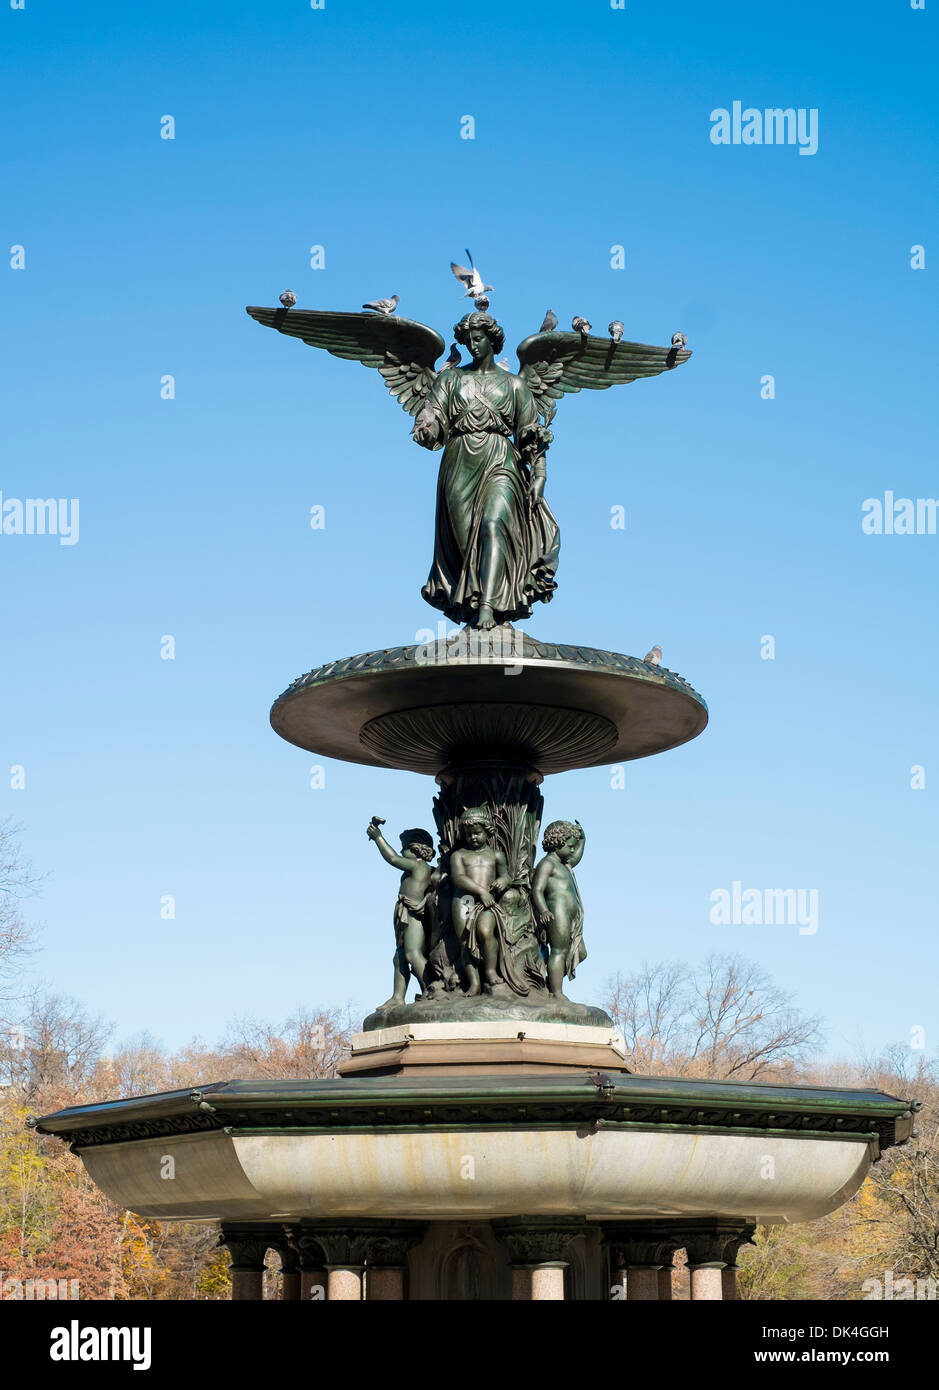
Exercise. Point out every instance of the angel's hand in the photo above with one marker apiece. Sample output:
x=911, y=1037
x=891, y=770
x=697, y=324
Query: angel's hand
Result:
x=425, y=428
x=536, y=491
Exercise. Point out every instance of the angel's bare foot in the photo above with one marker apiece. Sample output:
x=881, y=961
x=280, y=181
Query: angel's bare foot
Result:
x=485, y=618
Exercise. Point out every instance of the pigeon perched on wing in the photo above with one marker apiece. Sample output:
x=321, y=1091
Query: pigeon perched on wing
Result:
x=580, y=325
x=653, y=655
x=383, y=306
x=550, y=322
x=454, y=359
x=616, y=330
x=471, y=279
x=288, y=299
x=678, y=340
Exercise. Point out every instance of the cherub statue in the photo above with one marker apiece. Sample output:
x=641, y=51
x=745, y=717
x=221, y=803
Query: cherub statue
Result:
x=557, y=901
x=479, y=875
x=411, y=907
x=496, y=541
x=491, y=913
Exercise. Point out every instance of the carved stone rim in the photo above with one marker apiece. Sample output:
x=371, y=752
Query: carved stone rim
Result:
x=341, y=709
x=395, y=658
x=630, y=1102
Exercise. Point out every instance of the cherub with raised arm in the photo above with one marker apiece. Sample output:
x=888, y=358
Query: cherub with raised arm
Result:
x=411, y=908
x=557, y=900
x=479, y=875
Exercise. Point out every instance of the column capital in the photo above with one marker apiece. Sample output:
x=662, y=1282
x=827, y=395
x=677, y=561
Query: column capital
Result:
x=389, y=1249
x=732, y=1248
x=536, y=1240
x=716, y=1244
x=632, y=1248
x=352, y=1244
x=246, y=1245
x=309, y=1250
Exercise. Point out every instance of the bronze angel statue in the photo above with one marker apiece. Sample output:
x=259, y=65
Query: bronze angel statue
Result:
x=496, y=540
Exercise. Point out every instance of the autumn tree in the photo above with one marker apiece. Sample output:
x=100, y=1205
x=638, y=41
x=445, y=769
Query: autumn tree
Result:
x=17, y=937
x=311, y=1043
x=724, y=1019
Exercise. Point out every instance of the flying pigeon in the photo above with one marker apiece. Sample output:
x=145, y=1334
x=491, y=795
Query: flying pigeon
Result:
x=288, y=299
x=454, y=359
x=654, y=655
x=383, y=306
x=678, y=340
x=550, y=322
x=470, y=277
x=616, y=330
x=580, y=325
x=481, y=302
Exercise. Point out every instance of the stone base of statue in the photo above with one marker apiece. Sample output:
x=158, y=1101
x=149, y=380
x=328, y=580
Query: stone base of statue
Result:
x=457, y=1008
x=502, y=1046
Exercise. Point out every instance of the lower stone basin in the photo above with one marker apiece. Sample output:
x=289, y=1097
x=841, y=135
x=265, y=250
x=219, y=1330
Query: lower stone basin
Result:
x=591, y=1145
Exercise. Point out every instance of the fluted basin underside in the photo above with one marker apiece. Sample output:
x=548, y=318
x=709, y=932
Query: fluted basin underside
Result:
x=500, y=696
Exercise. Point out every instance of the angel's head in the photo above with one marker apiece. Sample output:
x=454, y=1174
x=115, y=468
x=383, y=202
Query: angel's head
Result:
x=480, y=334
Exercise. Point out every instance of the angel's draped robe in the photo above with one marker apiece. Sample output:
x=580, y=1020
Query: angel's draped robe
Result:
x=483, y=490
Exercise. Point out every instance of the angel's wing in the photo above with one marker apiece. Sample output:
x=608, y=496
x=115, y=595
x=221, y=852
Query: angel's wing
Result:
x=554, y=364
x=402, y=350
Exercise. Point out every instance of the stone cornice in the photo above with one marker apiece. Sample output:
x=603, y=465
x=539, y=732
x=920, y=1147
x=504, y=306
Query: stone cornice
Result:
x=474, y=1103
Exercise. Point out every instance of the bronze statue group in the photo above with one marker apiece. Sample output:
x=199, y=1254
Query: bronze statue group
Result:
x=471, y=925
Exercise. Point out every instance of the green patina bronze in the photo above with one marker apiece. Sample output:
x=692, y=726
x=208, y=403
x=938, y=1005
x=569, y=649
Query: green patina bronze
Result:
x=485, y=934
x=496, y=541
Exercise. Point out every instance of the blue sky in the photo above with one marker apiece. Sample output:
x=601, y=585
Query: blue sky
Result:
x=341, y=128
